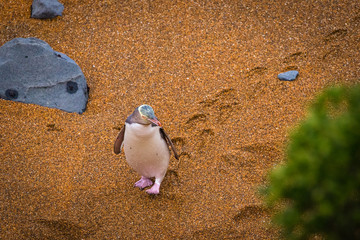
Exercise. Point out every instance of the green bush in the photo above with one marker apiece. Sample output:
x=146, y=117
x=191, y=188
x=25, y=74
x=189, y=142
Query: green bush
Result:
x=315, y=193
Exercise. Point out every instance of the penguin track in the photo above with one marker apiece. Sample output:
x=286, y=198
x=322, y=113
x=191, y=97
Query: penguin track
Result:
x=252, y=159
x=197, y=122
x=196, y=118
x=334, y=51
x=260, y=147
x=222, y=104
x=53, y=229
x=197, y=127
x=256, y=71
x=185, y=154
x=179, y=143
x=222, y=96
x=173, y=177
x=206, y=132
x=249, y=211
x=51, y=127
x=294, y=57
x=334, y=35
x=214, y=109
x=289, y=68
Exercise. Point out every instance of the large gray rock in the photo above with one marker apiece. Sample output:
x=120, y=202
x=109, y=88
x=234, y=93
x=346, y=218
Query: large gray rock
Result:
x=46, y=9
x=32, y=72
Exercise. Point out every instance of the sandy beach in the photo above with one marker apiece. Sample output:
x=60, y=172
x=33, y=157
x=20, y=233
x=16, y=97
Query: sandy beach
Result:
x=209, y=69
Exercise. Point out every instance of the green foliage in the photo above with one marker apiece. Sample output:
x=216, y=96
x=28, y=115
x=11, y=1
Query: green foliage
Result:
x=316, y=192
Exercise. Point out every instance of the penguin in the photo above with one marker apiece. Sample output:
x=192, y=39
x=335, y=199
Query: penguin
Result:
x=146, y=146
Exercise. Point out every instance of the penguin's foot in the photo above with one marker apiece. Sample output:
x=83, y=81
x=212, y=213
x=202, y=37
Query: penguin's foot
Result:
x=155, y=189
x=143, y=183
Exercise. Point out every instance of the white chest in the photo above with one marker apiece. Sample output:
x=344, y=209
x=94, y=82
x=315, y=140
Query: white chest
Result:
x=145, y=150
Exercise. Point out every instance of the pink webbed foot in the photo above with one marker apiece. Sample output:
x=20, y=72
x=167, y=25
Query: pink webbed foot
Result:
x=143, y=183
x=154, y=190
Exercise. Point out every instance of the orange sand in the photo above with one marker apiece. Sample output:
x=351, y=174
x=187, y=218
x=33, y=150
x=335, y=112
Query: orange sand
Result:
x=209, y=69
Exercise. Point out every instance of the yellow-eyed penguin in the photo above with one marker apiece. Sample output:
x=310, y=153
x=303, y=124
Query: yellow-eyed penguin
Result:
x=146, y=147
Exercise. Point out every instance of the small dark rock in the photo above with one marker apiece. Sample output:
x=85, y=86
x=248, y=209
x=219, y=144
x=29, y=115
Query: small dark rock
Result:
x=11, y=94
x=44, y=9
x=32, y=72
x=289, y=75
x=71, y=87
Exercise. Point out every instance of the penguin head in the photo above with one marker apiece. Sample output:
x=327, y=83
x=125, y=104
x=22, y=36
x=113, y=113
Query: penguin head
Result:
x=147, y=114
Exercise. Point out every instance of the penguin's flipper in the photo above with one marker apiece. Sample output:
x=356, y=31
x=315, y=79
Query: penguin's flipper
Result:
x=169, y=142
x=119, y=141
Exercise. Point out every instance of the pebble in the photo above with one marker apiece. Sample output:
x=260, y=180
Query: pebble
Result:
x=289, y=75
x=45, y=9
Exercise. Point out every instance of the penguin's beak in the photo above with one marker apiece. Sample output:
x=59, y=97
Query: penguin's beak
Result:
x=155, y=121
